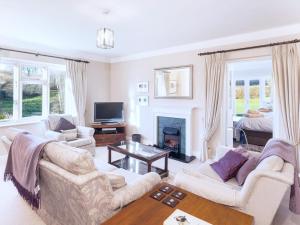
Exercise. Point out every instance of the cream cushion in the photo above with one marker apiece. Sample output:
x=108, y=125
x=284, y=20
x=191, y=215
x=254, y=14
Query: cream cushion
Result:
x=274, y=163
x=80, y=142
x=75, y=160
x=70, y=135
x=11, y=132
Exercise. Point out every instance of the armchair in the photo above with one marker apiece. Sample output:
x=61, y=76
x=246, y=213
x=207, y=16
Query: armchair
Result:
x=84, y=138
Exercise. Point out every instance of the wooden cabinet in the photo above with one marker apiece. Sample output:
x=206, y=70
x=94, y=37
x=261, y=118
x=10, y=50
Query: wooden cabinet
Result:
x=104, y=137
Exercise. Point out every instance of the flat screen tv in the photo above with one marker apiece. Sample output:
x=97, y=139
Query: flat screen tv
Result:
x=108, y=112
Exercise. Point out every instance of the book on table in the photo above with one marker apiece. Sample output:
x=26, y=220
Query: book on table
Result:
x=179, y=217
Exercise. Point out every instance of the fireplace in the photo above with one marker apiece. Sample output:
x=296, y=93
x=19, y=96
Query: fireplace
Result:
x=171, y=136
x=171, y=139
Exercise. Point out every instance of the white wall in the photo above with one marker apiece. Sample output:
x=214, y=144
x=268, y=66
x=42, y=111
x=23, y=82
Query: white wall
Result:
x=98, y=87
x=126, y=75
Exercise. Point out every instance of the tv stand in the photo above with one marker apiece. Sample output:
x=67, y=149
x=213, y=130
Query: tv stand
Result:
x=117, y=133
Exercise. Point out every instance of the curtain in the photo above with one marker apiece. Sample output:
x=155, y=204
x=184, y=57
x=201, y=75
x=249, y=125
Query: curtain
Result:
x=76, y=73
x=214, y=88
x=286, y=77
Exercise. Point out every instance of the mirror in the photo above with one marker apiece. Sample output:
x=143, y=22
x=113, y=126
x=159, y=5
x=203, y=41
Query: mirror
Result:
x=174, y=82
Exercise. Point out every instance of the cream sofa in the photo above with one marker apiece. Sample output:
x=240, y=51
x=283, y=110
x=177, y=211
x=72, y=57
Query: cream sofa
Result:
x=85, y=137
x=260, y=196
x=76, y=189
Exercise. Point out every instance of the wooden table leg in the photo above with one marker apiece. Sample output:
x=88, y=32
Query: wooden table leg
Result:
x=166, y=163
x=109, y=155
x=149, y=167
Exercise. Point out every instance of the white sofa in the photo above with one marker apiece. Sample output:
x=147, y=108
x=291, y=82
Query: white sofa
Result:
x=76, y=189
x=260, y=196
x=85, y=137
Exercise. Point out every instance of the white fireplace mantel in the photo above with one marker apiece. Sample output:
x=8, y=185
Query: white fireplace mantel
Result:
x=176, y=112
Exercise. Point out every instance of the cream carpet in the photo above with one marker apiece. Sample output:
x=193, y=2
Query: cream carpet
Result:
x=14, y=211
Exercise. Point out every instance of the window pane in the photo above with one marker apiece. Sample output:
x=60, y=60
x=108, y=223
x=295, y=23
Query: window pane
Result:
x=254, y=94
x=6, y=91
x=240, y=103
x=268, y=86
x=57, y=91
x=31, y=72
x=32, y=100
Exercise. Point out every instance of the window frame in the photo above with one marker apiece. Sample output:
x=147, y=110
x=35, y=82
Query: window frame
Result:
x=262, y=91
x=18, y=83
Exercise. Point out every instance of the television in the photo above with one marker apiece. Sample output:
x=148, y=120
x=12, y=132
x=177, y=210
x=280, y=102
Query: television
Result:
x=108, y=112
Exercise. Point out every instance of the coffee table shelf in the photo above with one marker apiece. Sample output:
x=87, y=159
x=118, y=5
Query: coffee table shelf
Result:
x=139, y=157
x=138, y=166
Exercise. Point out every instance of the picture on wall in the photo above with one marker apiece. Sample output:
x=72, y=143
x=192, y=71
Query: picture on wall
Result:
x=143, y=87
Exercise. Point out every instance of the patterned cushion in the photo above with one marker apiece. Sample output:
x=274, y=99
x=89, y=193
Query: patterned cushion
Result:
x=116, y=180
x=75, y=160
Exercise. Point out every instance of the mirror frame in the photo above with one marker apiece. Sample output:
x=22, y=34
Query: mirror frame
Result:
x=190, y=96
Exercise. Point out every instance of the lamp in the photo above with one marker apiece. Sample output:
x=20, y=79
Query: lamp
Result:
x=105, y=38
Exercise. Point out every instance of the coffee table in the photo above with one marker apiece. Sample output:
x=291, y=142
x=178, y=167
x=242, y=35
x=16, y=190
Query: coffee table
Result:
x=148, y=211
x=139, y=158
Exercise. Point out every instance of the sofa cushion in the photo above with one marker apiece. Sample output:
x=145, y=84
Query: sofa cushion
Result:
x=244, y=171
x=116, y=180
x=103, y=166
x=274, y=163
x=130, y=177
x=70, y=135
x=75, y=160
x=63, y=125
x=80, y=142
x=54, y=119
x=228, y=166
x=204, y=171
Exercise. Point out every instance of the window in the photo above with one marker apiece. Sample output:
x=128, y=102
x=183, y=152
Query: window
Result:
x=251, y=85
x=6, y=91
x=57, y=90
x=32, y=90
x=240, y=96
x=29, y=90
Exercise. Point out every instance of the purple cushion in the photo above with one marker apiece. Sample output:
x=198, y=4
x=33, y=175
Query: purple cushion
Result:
x=64, y=124
x=228, y=166
x=244, y=171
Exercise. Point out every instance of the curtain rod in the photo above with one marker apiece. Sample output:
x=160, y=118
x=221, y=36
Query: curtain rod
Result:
x=45, y=55
x=250, y=47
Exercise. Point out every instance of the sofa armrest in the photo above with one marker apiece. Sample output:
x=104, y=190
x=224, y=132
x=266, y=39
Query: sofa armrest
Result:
x=85, y=131
x=135, y=190
x=55, y=136
x=6, y=142
x=221, y=151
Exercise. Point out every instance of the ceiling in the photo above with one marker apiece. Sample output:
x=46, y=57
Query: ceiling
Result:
x=139, y=25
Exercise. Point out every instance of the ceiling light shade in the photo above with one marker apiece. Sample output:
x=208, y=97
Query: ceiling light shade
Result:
x=105, y=38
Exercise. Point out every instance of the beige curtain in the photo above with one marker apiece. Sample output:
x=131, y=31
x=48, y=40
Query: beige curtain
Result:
x=76, y=72
x=286, y=76
x=214, y=88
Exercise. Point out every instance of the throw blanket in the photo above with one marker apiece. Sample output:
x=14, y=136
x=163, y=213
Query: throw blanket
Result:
x=288, y=153
x=22, y=166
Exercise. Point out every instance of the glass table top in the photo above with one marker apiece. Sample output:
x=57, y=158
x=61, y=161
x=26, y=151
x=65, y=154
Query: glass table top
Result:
x=140, y=149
